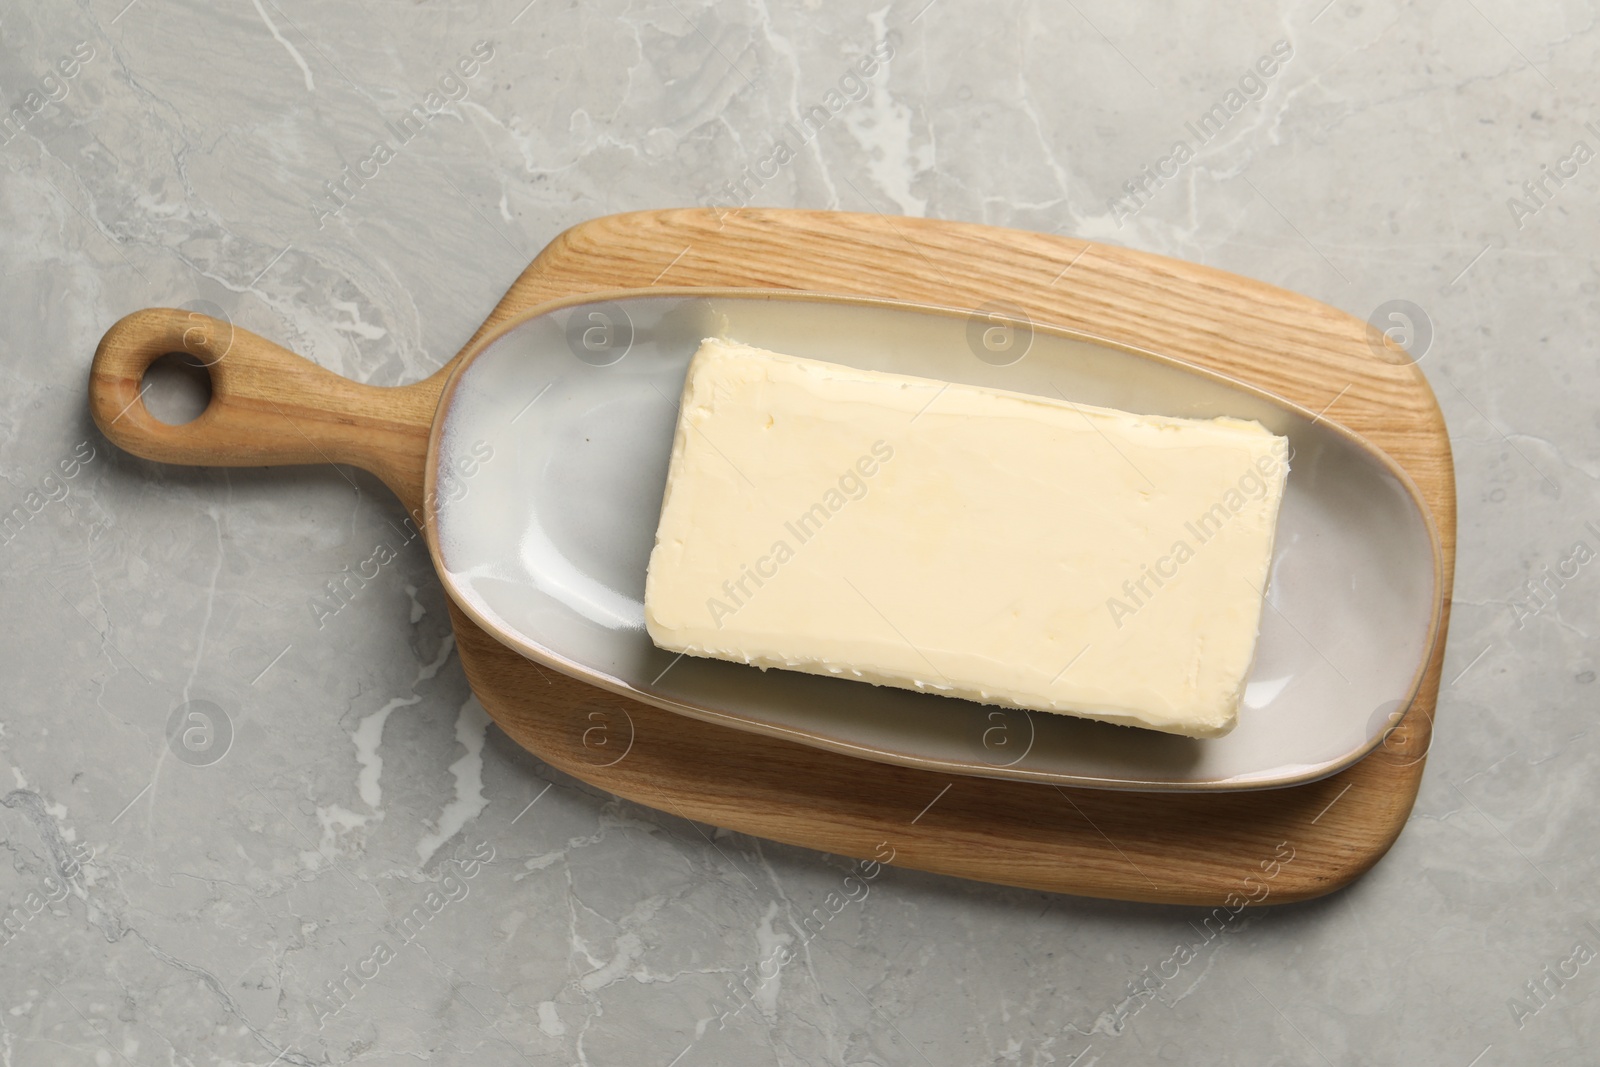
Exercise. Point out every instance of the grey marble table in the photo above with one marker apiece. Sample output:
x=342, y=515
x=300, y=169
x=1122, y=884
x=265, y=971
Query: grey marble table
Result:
x=240, y=830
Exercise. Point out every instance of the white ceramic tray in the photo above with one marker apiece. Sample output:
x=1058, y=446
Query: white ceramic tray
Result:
x=545, y=545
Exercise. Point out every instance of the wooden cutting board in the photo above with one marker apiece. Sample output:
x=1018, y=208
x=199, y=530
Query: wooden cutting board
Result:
x=1209, y=849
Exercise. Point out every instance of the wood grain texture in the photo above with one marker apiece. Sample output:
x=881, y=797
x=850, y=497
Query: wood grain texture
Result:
x=268, y=406
x=1176, y=848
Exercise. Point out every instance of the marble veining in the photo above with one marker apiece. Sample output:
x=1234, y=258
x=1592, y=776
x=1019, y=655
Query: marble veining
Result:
x=244, y=823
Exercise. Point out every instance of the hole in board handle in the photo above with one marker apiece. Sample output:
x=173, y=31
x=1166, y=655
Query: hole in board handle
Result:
x=176, y=388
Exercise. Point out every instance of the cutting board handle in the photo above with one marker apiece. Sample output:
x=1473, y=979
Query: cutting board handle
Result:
x=268, y=406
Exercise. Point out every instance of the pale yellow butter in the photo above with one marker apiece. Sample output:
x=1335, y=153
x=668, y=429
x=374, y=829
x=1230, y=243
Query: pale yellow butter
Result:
x=1001, y=547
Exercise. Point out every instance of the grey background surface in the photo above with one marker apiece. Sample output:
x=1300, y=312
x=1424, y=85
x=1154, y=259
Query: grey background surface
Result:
x=169, y=910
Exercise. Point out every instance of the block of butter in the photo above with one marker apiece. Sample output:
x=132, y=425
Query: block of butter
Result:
x=1006, y=548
